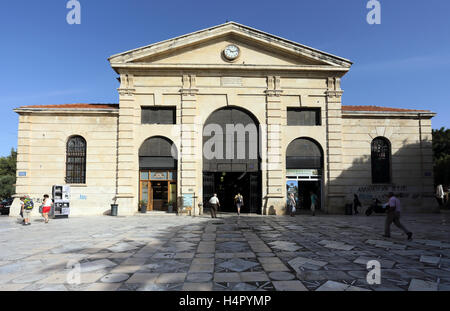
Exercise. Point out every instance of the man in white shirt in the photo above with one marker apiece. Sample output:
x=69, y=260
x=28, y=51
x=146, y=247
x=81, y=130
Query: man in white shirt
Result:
x=214, y=205
x=393, y=215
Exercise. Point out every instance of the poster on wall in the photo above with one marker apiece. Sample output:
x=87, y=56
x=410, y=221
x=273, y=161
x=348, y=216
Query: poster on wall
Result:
x=188, y=200
x=292, y=187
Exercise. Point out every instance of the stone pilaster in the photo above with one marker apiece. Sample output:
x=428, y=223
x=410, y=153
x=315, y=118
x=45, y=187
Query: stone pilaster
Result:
x=426, y=166
x=22, y=164
x=126, y=197
x=336, y=195
x=189, y=148
x=272, y=170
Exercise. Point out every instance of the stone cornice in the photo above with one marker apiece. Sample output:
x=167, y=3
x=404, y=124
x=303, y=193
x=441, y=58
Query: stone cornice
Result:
x=72, y=111
x=265, y=68
x=189, y=91
x=334, y=94
x=276, y=93
x=126, y=91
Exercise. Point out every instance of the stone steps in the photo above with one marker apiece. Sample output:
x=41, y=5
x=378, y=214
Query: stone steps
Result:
x=155, y=213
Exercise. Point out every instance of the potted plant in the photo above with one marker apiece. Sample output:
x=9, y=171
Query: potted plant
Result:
x=143, y=206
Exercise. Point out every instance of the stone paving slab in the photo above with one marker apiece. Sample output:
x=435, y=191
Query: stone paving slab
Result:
x=420, y=285
x=250, y=252
x=192, y=287
x=302, y=262
x=289, y=286
x=387, y=264
x=432, y=260
x=337, y=286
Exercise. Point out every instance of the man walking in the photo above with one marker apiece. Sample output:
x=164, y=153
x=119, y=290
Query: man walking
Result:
x=214, y=205
x=393, y=215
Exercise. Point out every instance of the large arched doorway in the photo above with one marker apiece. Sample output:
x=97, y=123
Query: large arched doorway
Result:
x=304, y=171
x=231, y=159
x=158, y=174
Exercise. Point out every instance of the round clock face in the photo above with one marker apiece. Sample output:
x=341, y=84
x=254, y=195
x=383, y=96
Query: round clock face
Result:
x=231, y=52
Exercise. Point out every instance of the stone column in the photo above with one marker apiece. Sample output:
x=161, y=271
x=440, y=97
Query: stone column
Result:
x=334, y=192
x=126, y=195
x=189, y=149
x=274, y=201
x=22, y=165
x=428, y=203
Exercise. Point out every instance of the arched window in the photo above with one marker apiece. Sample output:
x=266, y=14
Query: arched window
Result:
x=158, y=153
x=381, y=160
x=303, y=153
x=76, y=160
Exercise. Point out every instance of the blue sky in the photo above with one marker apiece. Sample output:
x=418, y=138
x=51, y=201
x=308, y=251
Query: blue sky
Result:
x=404, y=62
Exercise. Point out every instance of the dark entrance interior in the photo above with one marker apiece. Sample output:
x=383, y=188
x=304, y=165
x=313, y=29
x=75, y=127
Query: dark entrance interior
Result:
x=304, y=163
x=304, y=188
x=235, y=164
x=228, y=184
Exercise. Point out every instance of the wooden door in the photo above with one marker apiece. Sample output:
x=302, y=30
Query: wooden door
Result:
x=160, y=195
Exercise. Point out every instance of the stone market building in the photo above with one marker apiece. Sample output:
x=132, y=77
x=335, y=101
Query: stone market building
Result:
x=175, y=95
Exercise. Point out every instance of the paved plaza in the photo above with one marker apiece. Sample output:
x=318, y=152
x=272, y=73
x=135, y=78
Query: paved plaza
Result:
x=250, y=252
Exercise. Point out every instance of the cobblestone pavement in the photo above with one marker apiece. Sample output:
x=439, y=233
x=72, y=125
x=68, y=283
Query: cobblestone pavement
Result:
x=250, y=252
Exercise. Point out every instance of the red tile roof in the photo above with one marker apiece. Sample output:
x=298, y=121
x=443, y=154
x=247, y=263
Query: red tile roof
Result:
x=376, y=108
x=76, y=106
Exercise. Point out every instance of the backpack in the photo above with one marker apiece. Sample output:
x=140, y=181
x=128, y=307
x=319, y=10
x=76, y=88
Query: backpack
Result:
x=239, y=199
x=28, y=204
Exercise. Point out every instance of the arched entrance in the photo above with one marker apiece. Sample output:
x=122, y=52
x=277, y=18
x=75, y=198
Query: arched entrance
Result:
x=304, y=171
x=231, y=159
x=158, y=174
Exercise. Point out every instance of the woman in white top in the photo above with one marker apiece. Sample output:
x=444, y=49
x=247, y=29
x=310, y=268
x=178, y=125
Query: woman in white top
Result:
x=46, y=206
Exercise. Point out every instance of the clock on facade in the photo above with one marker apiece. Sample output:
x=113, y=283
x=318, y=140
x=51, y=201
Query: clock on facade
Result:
x=231, y=52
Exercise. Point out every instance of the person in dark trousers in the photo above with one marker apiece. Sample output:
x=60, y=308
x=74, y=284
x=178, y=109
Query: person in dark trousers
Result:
x=27, y=207
x=22, y=203
x=239, y=202
x=314, y=200
x=214, y=205
x=393, y=215
x=356, y=203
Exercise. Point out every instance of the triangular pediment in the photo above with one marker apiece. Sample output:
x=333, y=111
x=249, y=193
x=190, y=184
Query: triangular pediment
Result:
x=206, y=47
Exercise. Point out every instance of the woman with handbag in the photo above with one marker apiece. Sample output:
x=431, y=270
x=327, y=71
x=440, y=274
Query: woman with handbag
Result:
x=46, y=207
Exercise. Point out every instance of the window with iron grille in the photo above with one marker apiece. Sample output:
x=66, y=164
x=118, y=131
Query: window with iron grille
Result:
x=303, y=116
x=158, y=115
x=76, y=160
x=304, y=153
x=381, y=160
